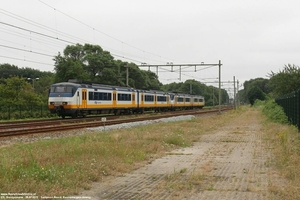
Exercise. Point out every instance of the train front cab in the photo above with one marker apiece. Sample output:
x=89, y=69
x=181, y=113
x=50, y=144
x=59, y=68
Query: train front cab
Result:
x=64, y=98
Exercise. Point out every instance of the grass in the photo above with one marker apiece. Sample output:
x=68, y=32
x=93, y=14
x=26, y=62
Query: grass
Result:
x=66, y=166
x=283, y=141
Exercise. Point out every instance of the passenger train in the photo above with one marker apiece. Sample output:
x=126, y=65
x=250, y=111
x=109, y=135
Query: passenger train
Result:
x=81, y=99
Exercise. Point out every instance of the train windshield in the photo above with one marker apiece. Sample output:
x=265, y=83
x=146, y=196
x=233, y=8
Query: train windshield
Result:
x=61, y=89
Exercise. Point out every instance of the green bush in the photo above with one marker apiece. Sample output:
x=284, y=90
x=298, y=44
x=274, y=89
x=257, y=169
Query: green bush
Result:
x=272, y=110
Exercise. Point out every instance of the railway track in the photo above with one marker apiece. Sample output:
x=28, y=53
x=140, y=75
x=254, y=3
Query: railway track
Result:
x=43, y=126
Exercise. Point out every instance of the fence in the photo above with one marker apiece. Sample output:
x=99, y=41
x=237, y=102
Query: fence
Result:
x=291, y=107
x=9, y=111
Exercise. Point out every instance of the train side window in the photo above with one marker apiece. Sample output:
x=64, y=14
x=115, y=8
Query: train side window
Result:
x=78, y=93
x=180, y=99
x=96, y=96
x=161, y=98
x=149, y=98
x=90, y=95
x=106, y=96
x=124, y=97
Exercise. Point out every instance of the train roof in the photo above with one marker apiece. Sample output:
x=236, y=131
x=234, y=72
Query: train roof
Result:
x=94, y=86
x=79, y=84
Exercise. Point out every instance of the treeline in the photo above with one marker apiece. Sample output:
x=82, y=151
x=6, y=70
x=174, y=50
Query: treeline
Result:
x=283, y=82
x=19, y=86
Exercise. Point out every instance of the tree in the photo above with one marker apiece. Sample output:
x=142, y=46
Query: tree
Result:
x=151, y=79
x=67, y=68
x=95, y=59
x=91, y=63
x=255, y=93
x=7, y=70
x=260, y=83
x=285, y=81
x=88, y=63
x=17, y=91
x=210, y=93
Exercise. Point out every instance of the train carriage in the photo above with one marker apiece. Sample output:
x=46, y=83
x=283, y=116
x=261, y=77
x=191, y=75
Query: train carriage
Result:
x=198, y=101
x=126, y=100
x=163, y=101
x=179, y=101
x=73, y=99
x=81, y=99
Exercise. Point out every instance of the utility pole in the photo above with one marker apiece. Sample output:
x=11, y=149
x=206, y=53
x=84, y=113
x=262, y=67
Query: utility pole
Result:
x=33, y=79
x=127, y=74
x=220, y=97
x=234, y=93
x=238, y=98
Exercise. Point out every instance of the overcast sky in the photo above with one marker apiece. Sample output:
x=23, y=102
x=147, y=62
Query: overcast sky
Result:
x=250, y=37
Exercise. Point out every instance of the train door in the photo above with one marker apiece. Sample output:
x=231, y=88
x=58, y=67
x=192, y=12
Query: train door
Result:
x=133, y=100
x=114, y=99
x=142, y=99
x=84, y=99
x=138, y=99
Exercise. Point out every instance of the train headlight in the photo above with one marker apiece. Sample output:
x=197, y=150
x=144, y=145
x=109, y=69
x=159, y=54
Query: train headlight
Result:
x=65, y=103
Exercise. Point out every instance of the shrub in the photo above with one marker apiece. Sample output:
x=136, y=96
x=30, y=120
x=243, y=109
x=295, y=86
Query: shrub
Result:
x=272, y=110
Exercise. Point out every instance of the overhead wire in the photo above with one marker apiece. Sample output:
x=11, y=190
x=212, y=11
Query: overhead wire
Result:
x=25, y=60
x=25, y=50
x=108, y=35
x=64, y=34
x=70, y=37
x=56, y=38
x=45, y=28
x=35, y=32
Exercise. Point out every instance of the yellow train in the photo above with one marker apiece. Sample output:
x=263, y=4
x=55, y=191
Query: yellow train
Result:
x=80, y=99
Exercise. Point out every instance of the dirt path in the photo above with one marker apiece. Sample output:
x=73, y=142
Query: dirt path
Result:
x=230, y=163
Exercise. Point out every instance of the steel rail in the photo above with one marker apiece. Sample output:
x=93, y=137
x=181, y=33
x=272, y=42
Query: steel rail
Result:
x=33, y=129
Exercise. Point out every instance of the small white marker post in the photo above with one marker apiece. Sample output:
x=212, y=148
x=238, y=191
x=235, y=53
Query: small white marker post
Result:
x=103, y=119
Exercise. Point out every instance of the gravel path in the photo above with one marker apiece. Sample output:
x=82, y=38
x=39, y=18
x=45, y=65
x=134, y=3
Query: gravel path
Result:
x=230, y=163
